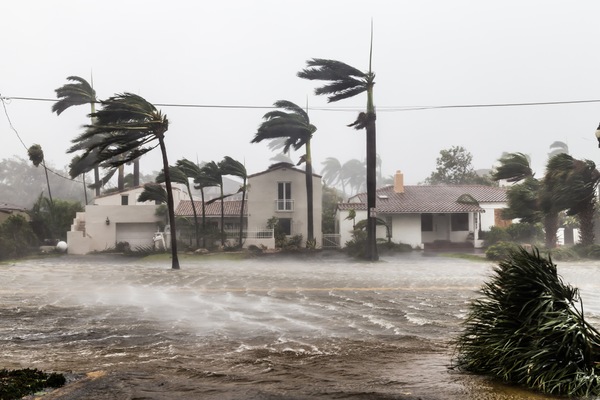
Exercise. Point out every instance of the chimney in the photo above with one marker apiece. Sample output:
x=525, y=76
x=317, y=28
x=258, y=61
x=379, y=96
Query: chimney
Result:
x=399, y=182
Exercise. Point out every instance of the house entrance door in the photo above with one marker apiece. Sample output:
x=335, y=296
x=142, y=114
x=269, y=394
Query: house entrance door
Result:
x=442, y=227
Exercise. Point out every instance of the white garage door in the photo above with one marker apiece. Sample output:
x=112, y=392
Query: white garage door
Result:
x=136, y=234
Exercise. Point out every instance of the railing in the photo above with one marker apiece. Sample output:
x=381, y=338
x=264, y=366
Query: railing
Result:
x=331, y=241
x=250, y=234
x=284, y=205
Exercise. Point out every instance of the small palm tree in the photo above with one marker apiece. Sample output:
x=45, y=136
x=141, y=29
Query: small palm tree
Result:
x=179, y=176
x=192, y=170
x=213, y=174
x=345, y=82
x=233, y=167
x=36, y=156
x=292, y=123
x=126, y=128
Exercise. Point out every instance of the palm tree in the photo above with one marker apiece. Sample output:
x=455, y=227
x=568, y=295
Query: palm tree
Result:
x=530, y=200
x=178, y=175
x=353, y=172
x=332, y=173
x=233, y=167
x=346, y=81
x=77, y=93
x=124, y=130
x=292, y=123
x=192, y=170
x=572, y=186
x=36, y=156
x=213, y=173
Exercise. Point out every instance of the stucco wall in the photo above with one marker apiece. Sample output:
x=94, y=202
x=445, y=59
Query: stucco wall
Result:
x=262, y=198
x=98, y=235
x=406, y=228
x=487, y=218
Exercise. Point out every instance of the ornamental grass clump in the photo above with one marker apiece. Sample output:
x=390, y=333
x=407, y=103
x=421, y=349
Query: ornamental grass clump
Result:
x=529, y=329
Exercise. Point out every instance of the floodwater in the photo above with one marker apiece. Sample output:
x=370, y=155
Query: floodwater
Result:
x=323, y=327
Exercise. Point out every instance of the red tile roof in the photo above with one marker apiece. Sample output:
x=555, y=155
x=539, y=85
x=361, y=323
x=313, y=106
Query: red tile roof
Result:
x=428, y=199
x=231, y=208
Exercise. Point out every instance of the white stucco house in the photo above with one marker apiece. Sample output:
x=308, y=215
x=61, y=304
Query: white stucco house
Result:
x=279, y=191
x=116, y=217
x=426, y=216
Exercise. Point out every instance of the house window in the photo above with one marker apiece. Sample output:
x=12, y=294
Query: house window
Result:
x=284, y=196
x=459, y=222
x=124, y=200
x=426, y=222
x=285, y=224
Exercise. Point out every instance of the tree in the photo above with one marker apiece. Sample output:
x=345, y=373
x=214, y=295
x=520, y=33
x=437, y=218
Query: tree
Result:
x=558, y=147
x=126, y=128
x=178, y=175
x=572, y=184
x=212, y=173
x=530, y=200
x=36, y=156
x=345, y=82
x=16, y=237
x=454, y=167
x=292, y=123
x=229, y=166
x=77, y=93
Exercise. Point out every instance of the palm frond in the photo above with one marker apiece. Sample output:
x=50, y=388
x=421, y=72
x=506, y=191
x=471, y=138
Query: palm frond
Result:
x=153, y=192
x=529, y=329
x=328, y=70
x=175, y=174
x=73, y=94
x=514, y=167
x=229, y=166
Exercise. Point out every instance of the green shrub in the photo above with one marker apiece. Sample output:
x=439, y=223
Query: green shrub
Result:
x=591, y=251
x=500, y=250
x=16, y=238
x=563, y=254
x=495, y=235
x=15, y=384
x=529, y=329
x=524, y=232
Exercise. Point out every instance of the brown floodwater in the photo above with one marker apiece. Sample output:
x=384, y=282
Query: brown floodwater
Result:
x=323, y=327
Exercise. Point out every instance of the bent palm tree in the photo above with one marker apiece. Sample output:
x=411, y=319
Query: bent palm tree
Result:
x=123, y=130
x=572, y=186
x=293, y=124
x=233, y=167
x=36, y=156
x=346, y=81
x=179, y=176
x=213, y=173
x=77, y=93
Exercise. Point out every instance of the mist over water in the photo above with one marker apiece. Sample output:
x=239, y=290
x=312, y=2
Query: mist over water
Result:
x=272, y=327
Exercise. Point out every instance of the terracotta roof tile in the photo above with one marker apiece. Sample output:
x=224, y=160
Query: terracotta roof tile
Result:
x=231, y=207
x=428, y=199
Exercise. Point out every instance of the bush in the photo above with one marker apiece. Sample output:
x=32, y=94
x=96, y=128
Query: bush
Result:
x=15, y=384
x=529, y=329
x=524, y=232
x=16, y=238
x=500, y=250
x=563, y=254
x=495, y=235
x=591, y=251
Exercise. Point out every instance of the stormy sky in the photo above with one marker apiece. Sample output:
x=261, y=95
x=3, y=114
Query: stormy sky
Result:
x=235, y=56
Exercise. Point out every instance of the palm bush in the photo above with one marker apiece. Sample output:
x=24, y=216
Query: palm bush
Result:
x=529, y=329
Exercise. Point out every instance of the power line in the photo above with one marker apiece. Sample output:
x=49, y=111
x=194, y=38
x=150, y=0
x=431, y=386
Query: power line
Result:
x=345, y=109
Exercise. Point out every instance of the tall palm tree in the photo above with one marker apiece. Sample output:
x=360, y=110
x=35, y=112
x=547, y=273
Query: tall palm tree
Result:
x=292, y=123
x=128, y=127
x=572, y=186
x=77, y=93
x=233, y=167
x=178, y=175
x=346, y=81
x=353, y=172
x=213, y=173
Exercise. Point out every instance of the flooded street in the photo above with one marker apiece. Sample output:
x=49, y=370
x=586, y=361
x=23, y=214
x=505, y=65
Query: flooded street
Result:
x=266, y=328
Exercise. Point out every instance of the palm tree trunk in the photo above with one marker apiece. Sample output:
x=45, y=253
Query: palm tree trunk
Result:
x=195, y=216
x=242, y=213
x=586, y=224
x=203, y=219
x=84, y=189
x=136, y=172
x=170, y=204
x=222, y=216
x=121, y=178
x=371, y=251
x=47, y=182
x=310, y=235
x=96, y=168
x=551, y=226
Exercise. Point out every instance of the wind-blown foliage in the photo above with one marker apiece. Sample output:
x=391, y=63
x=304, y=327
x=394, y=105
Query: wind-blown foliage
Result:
x=514, y=167
x=529, y=329
x=229, y=166
x=292, y=124
x=345, y=82
x=125, y=128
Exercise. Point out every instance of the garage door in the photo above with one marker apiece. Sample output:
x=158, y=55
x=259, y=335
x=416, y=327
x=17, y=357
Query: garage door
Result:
x=136, y=234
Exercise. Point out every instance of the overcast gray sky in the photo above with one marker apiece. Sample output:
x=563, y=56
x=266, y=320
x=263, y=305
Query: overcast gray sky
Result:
x=244, y=52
